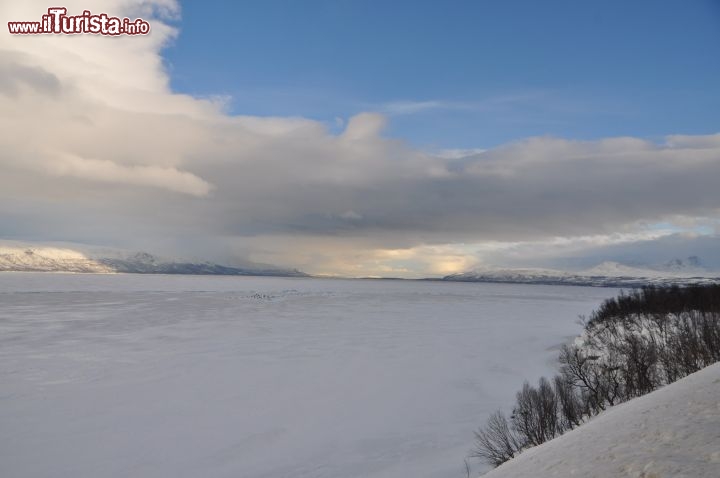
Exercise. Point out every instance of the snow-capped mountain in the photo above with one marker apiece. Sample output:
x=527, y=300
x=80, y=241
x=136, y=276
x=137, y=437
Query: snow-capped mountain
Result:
x=608, y=274
x=690, y=267
x=48, y=259
x=61, y=259
x=144, y=263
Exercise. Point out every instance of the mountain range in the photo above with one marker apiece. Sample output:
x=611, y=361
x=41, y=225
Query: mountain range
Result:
x=23, y=258
x=60, y=259
x=605, y=274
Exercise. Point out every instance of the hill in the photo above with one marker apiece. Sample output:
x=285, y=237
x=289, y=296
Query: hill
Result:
x=671, y=432
x=66, y=259
x=605, y=274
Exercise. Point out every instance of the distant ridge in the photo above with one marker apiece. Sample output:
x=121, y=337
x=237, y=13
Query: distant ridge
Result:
x=605, y=274
x=58, y=259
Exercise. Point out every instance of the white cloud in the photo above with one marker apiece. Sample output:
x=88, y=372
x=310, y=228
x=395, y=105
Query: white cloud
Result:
x=106, y=171
x=458, y=153
x=364, y=126
x=395, y=108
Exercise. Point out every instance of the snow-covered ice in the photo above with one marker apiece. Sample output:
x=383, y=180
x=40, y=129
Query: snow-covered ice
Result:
x=671, y=432
x=189, y=376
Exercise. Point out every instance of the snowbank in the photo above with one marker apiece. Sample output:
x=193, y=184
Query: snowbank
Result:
x=672, y=432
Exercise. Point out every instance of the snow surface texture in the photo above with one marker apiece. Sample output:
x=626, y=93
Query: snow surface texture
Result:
x=671, y=432
x=195, y=376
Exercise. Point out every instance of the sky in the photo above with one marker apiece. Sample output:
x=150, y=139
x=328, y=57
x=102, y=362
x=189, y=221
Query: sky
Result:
x=461, y=74
x=369, y=138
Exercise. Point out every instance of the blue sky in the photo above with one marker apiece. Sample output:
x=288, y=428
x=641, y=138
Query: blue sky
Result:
x=461, y=74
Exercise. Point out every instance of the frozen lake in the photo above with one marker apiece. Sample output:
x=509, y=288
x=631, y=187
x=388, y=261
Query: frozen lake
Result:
x=188, y=376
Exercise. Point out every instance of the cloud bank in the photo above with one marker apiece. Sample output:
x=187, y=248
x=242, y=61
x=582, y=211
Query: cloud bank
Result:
x=95, y=147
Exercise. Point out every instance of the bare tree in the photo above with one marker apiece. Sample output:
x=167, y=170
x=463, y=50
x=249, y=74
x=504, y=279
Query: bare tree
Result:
x=535, y=416
x=496, y=443
x=571, y=406
x=632, y=345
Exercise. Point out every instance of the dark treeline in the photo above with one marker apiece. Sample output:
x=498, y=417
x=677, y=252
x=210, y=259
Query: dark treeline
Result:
x=631, y=345
x=659, y=300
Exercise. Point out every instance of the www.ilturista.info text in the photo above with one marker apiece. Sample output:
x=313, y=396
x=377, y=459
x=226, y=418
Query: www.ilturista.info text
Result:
x=57, y=21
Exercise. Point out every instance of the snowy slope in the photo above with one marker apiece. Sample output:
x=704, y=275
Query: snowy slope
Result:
x=672, y=432
x=48, y=259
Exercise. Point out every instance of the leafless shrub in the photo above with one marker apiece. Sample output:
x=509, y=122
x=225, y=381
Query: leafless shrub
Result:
x=496, y=443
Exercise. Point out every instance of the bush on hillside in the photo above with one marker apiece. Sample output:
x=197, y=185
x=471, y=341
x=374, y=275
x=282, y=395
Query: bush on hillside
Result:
x=631, y=345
